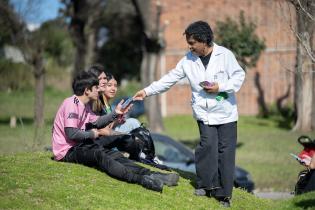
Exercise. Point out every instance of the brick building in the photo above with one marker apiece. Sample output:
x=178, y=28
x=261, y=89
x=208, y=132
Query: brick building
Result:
x=272, y=76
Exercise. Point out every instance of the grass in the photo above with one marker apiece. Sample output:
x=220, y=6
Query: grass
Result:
x=34, y=181
x=263, y=146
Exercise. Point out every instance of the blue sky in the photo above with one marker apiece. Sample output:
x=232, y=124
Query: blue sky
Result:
x=36, y=11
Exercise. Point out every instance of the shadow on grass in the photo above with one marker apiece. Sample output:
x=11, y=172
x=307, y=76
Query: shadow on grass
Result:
x=187, y=175
x=194, y=143
x=305, y=204
x=23, y=121
x=19, y=120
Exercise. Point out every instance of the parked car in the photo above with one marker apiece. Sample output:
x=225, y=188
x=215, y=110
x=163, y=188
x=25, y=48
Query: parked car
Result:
x=137, y=109
x=176, y=155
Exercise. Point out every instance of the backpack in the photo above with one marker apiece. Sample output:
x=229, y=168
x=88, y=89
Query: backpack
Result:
x=143, y=135
x=306, y=182
x=306, y=178
x=144, y=140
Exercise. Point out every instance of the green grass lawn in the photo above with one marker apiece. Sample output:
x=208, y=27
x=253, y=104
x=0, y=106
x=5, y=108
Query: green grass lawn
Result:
x=263, y=149
x=34, y=181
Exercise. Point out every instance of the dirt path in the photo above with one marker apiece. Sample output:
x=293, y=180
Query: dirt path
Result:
x=274, y=195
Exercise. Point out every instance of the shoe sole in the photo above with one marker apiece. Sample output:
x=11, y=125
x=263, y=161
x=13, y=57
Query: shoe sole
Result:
x=171, y=180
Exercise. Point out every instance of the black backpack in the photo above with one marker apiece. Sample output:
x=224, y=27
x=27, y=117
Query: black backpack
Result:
x=144, y=139
x=306, y=182
x=143, y=135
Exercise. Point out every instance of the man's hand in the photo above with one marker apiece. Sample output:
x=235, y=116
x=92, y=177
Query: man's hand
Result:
x=212, y=89
x=140, y=95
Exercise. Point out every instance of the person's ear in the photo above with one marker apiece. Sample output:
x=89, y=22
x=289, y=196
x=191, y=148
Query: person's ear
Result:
x=87, y=91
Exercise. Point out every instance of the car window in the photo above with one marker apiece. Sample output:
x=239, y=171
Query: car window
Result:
x=168, y=152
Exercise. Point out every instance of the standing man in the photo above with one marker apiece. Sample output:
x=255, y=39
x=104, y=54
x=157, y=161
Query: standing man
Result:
x=214, y=107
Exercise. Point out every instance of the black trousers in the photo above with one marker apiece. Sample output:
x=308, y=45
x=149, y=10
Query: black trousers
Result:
x=111, y=162
x=215, y=158
x=123, y=143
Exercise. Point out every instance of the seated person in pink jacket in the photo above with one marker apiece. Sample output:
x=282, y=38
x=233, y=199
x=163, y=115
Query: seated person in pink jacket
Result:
x=71, y=142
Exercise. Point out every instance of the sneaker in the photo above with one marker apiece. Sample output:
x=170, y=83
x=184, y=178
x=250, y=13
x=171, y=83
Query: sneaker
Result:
x=151, y=183
x=200, y=192
x=169, y=179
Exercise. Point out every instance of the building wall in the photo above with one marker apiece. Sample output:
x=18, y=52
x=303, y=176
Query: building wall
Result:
x=274, y=70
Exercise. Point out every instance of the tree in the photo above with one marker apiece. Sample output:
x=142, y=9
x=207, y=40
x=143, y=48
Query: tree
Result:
x=305, y=60
x=84, y=16
x=34, y=45
x=153, y=44
x=31, y=46
x=240, y=37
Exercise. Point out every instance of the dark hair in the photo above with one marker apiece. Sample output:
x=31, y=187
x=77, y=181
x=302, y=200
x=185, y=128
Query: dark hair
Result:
x=200, y=31
x=96, y=69
x=82, y=81
x=109, y=76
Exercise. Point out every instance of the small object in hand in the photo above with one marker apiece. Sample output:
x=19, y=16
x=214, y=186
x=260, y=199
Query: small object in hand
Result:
x=297, y=158
x=127, y=103
x=221, y=96
x=205, y=84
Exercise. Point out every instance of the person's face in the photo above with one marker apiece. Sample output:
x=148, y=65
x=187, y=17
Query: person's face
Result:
x=102, y=82
x=93, y=93
x=198, y=48
x=110, y=89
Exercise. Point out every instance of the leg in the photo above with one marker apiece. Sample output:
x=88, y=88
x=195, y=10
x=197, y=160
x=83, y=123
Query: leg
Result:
x=206, y=155
x=112, y=163
x=227, y=145
x=128, y=125
x=124, y=143
x=93, y=155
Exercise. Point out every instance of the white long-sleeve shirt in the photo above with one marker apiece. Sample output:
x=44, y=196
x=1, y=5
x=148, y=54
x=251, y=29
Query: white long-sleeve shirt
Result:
x=222, y=68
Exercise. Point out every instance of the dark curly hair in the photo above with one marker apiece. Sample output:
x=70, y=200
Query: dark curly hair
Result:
x=200, y=31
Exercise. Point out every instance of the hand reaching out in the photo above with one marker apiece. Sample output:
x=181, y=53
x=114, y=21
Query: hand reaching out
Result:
x=140, y=95
x=120, y=110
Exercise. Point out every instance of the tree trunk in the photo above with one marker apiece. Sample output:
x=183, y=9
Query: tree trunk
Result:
x=39, y=74
x=77, y=33
x=151, y=45
x=304, y=72
x=152, y=104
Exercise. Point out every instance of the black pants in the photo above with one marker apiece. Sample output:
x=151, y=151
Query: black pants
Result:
x=111, y=162
x=215, y=158
x=123, y=143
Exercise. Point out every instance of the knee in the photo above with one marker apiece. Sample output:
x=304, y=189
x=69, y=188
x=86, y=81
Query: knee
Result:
x=133, y=123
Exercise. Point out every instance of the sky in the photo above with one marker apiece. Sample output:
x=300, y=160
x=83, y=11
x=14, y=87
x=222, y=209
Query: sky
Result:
x=35, y=12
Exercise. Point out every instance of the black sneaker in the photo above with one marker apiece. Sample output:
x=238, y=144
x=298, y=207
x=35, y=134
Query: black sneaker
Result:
x=169, y=179
x=151, y=183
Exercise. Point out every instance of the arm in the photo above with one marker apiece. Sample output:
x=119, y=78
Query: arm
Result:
x=162, y=85
x=77, y=135
x=235, y=73
x=105, y=120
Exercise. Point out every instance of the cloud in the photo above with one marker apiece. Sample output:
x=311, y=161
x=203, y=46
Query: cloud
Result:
x=33, y=26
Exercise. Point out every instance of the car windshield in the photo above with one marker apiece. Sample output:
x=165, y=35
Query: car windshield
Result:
x=168, y=152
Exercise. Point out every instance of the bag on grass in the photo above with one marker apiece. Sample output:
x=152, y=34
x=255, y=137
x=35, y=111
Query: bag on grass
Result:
x=306, y=182
x=147, y=156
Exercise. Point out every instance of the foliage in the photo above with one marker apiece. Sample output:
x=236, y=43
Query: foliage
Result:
x=58, y=43
x=15, y=76
x=240, y=37
x=121, y=53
